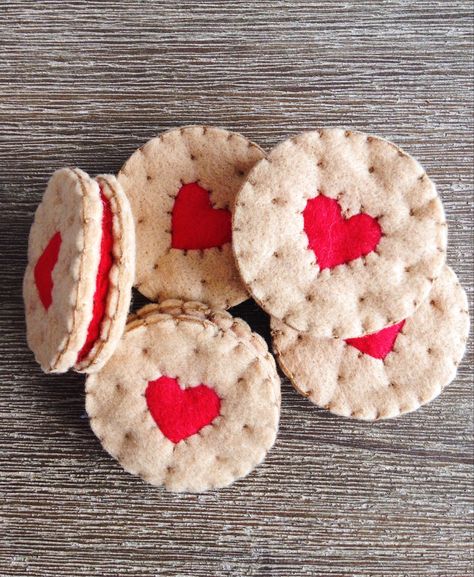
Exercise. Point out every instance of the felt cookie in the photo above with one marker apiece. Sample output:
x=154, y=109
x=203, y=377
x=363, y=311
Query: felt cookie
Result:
x=77, y=285
x=182, y=187
x=339, y=233
x=385, y=374
x=190, y=400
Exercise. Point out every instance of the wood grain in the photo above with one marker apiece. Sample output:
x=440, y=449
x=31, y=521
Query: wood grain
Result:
x=84, y=83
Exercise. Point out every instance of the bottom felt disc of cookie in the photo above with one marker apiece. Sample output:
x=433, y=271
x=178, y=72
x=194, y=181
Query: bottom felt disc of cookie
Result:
x=387, y=373
x=186, y=402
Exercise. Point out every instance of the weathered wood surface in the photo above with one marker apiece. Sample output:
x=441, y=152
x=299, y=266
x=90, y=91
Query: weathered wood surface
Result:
x=84, y=83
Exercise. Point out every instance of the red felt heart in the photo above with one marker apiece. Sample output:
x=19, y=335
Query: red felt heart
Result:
x=334, y=239
x=180, y=413
x=377, y=345
x=195, y=224
x=43, y=271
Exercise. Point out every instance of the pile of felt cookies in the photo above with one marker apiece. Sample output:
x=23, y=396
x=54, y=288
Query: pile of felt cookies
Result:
x=339, y=236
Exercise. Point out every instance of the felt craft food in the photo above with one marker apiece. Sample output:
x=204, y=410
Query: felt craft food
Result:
x=385, y=374
x=77, y=285
x=339, y=233
x=190, y=399
x=182, y=187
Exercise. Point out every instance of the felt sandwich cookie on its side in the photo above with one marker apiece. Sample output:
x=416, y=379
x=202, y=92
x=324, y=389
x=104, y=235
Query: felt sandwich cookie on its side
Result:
x=81, y=261
x=190, y=399
x=385, y=374
x=182, y=187
x=339, y=233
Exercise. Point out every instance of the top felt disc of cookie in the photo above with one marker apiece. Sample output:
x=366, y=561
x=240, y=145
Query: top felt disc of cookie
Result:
x=182, y=187
x=339, y=233
x=77, y=285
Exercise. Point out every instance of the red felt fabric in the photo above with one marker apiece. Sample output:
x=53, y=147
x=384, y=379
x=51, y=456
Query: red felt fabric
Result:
x=195, y=224
x=334, y=239
x=102, y=279
x=180, y=413
x=377, y=345
x=43, y=271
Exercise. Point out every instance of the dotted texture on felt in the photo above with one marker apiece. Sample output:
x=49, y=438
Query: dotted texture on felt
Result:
x=194, y=350
x=195, y=224
x=180, y=413
x=333, y=239
x=361, y=381
x=382, y=190
x=43, y=271
x=102, y=282
x=183, y=253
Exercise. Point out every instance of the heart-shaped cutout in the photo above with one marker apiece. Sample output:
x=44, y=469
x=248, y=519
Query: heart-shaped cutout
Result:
x=377, y=345
x=195, y=224
x=334, y=239
x=180, y=413
x=43, y=271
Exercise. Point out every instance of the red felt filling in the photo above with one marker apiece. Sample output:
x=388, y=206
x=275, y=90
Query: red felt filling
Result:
x=180, y=413
x=195, y=224
x=43, y=271
x=377, y=345
x=102, y=279
x=334, y=239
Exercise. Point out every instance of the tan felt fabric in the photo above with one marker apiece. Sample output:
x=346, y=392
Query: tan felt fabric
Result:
x=121, y=277
x=365, y=174
x=72, y=206
x=338, y=377
x=180, y=341
x=219, y=161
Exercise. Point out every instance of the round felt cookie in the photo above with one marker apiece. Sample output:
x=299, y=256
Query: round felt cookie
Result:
x=190, y=400
x=385, y=374
x=339, y=233
x=77, y=284
x=182, y=187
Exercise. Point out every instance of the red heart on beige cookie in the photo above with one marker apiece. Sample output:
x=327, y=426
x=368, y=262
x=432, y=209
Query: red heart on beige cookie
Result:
x=334, y=239
x=43, y=271
x=180, y=413
x=377, y=345
x=195, y=224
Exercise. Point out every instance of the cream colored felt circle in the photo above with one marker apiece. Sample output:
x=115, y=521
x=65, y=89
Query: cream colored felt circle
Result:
x=219, y=161
x=71, y=206
x=364, y=174
x=195, y=351
x=424, y=359
x=121, y=277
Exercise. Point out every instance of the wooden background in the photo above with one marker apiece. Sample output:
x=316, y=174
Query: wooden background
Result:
x=85, y=83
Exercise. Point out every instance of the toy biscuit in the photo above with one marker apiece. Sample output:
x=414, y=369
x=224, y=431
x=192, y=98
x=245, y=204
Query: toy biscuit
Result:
x=190, y=399
x=77, y=285
x=182, y=187
x=339, y=233
x=385, y=374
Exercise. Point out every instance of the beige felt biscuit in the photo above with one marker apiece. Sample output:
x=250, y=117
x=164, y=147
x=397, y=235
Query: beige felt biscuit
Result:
x=193, y=346
x=218, y=161
x=71, y=206
x=121, y=277
x=58, y=318
x=366, y=179
x=348, y=380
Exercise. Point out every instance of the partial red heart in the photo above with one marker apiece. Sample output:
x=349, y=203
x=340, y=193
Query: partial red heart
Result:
x=377, y=345
x=195, y=224
x=43, y=271
x=180, y=413
x=334, y=239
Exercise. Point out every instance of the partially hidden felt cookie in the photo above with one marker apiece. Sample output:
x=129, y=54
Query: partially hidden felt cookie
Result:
x=81, y=259
x=339, y=233
x=385, y=374
x=182, y=187
x=190, y=400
